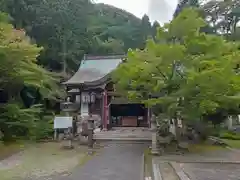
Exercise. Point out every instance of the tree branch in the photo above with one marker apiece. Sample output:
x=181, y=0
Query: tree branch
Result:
x=165, y=77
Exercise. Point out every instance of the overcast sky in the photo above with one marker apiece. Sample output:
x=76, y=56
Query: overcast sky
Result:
x=160, y=10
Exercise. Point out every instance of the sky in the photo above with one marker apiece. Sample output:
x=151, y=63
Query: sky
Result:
x=160, y=10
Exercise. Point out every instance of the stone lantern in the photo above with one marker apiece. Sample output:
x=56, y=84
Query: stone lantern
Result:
x=155, y=147
x=67, y=107
x=90, y=134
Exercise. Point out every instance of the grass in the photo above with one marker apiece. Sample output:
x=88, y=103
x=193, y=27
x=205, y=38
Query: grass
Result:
x=203, y=147
x=10, y=149
x=232, y=143
x=148, y=163
x=43, y=159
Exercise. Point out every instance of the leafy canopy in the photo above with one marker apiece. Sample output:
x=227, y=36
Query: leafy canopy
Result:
x=183, y=64
x=18, y=62
x=18, y=70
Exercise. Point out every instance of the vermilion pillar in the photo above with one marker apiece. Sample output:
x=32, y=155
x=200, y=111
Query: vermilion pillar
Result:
x=105, y=110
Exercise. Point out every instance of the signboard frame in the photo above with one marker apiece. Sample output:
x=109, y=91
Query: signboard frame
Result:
x=63, y=122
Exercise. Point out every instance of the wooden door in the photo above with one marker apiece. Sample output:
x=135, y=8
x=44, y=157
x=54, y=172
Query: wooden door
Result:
x=129, y=121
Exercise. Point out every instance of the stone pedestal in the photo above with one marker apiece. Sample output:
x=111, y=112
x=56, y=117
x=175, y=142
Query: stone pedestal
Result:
x=155, y=148
x=66, y=141
x=67, y=144
x=90, y=135
x=79, y=130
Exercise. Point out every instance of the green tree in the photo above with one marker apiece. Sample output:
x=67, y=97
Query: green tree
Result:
x=69, y=29
x=19, y=70
x=185, y=4
x=109, y=22
x=59, y=26
x=155, y=27
x=184, y=64
x=111, y=46
x=146, y=27
x=223, y=16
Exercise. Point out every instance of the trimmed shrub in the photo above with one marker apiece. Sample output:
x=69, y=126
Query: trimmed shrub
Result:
x=230, y=135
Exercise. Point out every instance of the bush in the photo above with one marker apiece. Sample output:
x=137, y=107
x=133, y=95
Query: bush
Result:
x=230, y=135
x=43, y=129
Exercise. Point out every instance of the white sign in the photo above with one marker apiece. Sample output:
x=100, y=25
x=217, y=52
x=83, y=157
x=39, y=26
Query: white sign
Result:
x=63, y=122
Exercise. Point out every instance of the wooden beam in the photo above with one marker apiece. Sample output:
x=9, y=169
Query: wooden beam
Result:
x=112, y=93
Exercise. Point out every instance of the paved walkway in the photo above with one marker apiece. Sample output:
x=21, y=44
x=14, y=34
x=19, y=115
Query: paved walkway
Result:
x=217, y=165
x=116, y=162
x=209, y=171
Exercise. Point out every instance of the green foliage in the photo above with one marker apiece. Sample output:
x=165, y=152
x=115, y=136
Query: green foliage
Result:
x=18, y=70
x=185, y=4
x=232, y=143
x=68, y=29
x=108, y=22
x=59, y=26
x=230, y=135
x=42, y=129
x=222, y=16
x=183, y=63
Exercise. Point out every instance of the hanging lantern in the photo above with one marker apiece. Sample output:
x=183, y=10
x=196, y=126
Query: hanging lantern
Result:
x=85, y=98
x=88, y=98
x=92, y=97
x=78, y=98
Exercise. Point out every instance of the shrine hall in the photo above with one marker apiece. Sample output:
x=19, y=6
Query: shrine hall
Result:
x=91, y=91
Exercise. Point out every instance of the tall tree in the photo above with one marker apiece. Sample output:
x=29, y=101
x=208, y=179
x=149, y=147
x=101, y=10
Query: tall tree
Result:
x=155, y=27
x=146, y=27
x=184, y=4
x=59, y=26
x=223, y=16
x=19, y=70
x=191, y=69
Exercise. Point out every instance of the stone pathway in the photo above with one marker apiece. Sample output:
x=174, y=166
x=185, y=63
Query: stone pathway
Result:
x=217, y=165
x=117, y=161
x=211, y=171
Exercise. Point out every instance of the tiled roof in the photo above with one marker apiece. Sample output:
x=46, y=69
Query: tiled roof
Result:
x=94, y=68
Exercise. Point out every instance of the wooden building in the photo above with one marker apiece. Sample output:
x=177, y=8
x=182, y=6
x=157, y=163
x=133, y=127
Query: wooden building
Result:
x=92, y=92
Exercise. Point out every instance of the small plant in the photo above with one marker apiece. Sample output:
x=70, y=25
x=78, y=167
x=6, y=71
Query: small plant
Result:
x=163, y=128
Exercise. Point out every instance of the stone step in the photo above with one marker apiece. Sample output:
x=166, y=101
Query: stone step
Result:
x=122, y=139
x=122, y=135
x=125, y=141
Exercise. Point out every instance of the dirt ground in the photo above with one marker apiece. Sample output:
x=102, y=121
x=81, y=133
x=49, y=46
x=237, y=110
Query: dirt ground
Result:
x=41, y=160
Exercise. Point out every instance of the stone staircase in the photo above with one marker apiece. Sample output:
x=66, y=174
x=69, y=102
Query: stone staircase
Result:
x=124, y=134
